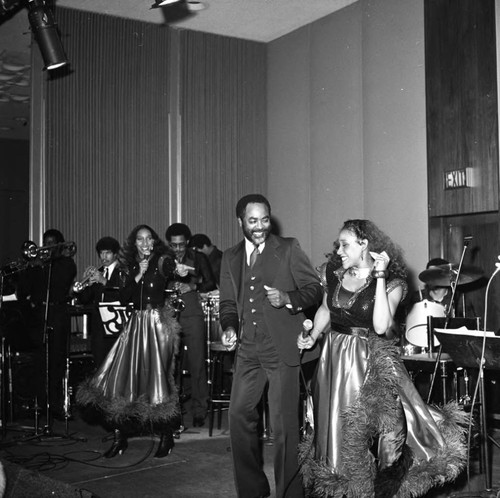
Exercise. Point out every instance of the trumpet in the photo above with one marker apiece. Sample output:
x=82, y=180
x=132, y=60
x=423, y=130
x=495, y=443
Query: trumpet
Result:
x=90, y=272
x=30, y=251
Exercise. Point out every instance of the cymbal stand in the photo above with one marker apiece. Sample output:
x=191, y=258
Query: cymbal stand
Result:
x=430, y=335
x=175, y=300
x=2, y=366
x=209, y=317
x=2, y=388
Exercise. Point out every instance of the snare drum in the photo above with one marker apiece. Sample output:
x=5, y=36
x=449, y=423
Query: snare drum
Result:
x=416, y=322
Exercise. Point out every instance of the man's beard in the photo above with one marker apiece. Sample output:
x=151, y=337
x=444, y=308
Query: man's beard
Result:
x=249, y=234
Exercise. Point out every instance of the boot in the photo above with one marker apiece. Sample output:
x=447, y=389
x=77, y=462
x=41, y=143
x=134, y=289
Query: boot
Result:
x=166, y=445
x=119, y=445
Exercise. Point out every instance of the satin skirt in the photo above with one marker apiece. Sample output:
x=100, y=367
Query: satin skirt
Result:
x=341, y=373
x=136, y=380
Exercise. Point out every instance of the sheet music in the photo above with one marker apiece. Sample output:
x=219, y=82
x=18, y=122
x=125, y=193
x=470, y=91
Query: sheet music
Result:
x=9, y=297
x=466, y=331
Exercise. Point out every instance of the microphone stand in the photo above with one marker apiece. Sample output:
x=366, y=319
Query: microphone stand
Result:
x=48, y=422
x=47, y=430
x=430, y=335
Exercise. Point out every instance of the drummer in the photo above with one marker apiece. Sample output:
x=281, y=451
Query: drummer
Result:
x=434, y=291
x=434, y=299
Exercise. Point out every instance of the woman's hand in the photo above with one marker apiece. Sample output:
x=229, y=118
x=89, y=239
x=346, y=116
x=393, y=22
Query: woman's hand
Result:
x=305, y=343
x=143, y=266
x=381, y=260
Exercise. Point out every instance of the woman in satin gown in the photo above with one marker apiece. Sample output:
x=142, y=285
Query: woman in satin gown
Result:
x=371, y=434
x=134, y=388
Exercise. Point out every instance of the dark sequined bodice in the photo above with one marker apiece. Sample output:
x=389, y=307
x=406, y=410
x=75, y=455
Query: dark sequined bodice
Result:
x=352, y=309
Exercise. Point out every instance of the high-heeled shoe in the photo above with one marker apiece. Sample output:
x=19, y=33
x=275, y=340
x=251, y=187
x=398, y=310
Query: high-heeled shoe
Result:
x=166, y=445
x=119, y=445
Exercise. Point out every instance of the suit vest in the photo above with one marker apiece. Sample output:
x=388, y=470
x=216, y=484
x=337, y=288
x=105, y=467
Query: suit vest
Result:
x=253, y=298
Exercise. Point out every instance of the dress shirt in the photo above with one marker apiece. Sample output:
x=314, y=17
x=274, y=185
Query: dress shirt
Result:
x=250, y=246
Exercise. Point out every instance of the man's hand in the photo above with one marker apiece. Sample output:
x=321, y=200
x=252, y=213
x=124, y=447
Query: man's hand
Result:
x=229, y=338
x=276, y=297
x=183, y=288
x=182, y=270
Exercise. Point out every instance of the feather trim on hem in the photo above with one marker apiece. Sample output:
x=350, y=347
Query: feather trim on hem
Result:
x=118, y=410
x=376, y=411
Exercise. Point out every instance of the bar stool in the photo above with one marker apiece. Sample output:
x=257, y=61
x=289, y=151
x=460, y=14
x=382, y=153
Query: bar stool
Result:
x=220, y=383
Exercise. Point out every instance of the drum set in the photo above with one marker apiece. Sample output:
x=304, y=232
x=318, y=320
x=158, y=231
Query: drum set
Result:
x=420, y=344
x=417, y=332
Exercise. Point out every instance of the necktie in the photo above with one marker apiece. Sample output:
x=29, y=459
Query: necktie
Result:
x=106, y=273
x=253, y=256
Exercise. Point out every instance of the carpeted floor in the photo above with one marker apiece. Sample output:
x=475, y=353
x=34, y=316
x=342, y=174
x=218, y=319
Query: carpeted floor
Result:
x=199, y=465
x=72, y=466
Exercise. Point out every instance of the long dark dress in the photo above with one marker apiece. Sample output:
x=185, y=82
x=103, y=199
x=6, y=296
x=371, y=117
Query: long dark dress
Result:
x=373, y=435
x=135, y=383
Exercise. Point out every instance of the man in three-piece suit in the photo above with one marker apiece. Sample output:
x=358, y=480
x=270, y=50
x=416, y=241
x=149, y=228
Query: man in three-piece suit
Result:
x=266, y=282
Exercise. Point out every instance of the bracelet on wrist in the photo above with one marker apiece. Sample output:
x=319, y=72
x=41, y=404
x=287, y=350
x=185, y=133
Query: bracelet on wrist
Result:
x=380, y=273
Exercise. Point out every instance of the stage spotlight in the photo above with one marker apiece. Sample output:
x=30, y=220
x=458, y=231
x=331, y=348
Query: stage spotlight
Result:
x=46, y=34
x=173, y=10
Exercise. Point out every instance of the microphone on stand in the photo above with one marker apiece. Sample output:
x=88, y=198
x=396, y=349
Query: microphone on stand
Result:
x=467, y=240
x=148, y=252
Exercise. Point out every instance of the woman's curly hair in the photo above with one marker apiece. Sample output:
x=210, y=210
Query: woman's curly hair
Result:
x=378, y=241
x=130, y=250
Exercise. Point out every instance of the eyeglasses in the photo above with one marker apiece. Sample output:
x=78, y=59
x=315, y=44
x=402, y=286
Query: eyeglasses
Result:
x=180, y=245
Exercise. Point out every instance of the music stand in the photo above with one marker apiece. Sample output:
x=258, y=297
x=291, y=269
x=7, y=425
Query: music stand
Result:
x=465, y=348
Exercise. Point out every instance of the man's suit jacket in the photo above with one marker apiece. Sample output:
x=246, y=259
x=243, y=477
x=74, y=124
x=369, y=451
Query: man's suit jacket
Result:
x=97, y=292
x=285, y=267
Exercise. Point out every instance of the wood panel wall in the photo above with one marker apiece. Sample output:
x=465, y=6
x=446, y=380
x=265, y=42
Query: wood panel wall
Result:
x=462, y=132
x=224, y=128
x=150, y=125
x=462, y=124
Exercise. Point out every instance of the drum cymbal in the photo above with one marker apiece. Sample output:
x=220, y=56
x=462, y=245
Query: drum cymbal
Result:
x=443, y=275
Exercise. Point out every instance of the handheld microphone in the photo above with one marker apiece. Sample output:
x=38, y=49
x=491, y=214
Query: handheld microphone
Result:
x=306, y=328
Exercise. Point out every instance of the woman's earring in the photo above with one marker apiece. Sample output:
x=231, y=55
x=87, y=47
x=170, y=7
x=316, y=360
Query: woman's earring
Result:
x=363, y=256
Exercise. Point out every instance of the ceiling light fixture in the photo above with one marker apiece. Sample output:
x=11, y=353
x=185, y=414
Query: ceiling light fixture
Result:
x=46, y=34
x=163, y=3
x=194, y=5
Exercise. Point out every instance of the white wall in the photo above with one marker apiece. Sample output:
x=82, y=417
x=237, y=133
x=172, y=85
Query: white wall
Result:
x=346, y=113
x=314, y=130
x=394, y=126
x=288, y=103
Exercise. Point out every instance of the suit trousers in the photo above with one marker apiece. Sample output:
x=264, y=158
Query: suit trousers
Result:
x=257, y=365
